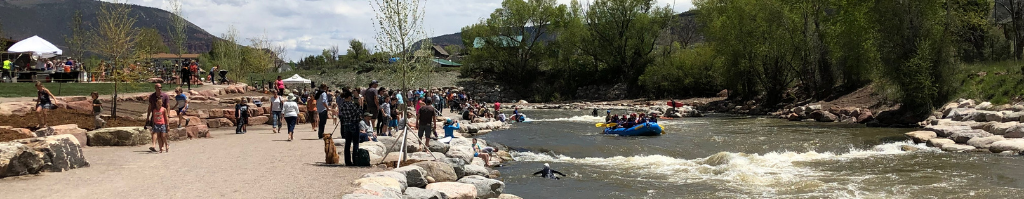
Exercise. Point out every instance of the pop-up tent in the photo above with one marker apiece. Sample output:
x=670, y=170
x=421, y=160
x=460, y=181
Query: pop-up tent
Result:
x=36, y=45
x=296, y=80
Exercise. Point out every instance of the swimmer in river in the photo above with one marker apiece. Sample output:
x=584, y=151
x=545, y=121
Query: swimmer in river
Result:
x=547, y=172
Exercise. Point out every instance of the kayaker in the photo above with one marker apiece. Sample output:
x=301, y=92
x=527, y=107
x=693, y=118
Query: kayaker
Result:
x=547, y=172
x=594, y=113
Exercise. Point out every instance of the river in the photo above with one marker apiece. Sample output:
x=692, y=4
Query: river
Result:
x=731, y=156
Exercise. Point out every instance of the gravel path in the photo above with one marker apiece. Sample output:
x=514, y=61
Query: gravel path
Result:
x=254, y=165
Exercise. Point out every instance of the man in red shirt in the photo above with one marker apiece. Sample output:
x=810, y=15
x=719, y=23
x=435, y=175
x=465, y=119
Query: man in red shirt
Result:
x=497, y=107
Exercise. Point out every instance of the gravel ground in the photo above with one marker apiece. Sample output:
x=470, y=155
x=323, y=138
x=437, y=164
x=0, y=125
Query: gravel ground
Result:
x=254, y=165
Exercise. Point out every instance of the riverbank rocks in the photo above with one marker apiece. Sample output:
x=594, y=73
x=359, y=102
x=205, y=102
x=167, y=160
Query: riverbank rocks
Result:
x=956, y=147
x=823, y=116
x=119, y=136
x=921, y=136
x=1014, y=145
x=414, y=175
x=485, y=187
x=455, y=190
x=420, y=193
x=384, y=181
x=372, y=178
x=378, y=191
x=509, y=196
x=946, y=131
x=983, y=143
x=441, y=172
x=939, y=142
x=964, y=136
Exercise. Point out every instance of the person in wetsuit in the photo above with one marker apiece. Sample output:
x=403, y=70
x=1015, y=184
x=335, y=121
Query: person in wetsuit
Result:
x=547, y=172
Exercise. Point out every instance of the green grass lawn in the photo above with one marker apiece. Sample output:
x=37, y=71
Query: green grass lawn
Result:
x=77, y=89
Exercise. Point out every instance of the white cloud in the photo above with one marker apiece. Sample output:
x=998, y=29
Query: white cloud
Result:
x=305, y=27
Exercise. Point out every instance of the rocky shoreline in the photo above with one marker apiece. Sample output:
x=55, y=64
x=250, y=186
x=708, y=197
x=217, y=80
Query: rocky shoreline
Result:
x=964, y=126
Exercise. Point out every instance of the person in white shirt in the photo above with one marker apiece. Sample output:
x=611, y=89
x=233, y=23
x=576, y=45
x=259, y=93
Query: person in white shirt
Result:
x=276, y=104
x=290, y=110
x=365, y=129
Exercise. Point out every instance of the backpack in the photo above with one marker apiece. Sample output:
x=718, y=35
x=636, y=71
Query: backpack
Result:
x=361, y=158
x=244, y=110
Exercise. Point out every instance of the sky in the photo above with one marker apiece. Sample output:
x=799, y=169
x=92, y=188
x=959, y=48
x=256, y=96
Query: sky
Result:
x=306, y=27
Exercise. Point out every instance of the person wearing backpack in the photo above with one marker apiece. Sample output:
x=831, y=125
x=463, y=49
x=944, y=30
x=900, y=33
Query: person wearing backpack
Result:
x=242, y=113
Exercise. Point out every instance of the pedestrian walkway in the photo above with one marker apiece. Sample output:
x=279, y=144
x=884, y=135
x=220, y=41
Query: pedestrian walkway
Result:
x=254, y=165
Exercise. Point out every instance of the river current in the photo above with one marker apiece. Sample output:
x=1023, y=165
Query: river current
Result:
x=731, y=156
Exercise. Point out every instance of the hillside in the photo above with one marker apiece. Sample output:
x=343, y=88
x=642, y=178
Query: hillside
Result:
x=50, y=18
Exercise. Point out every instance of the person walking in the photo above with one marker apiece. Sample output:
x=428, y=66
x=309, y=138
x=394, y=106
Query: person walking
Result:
x=157, y=101
x=290, y=109
x=242, y=115
x=321, y=109
x=44, y=102
x=7, y=69
x=160, y=128
x=276, y=105
x=181, y=102
x=280, y=86
x=425, y=122
x=97, y=108
x=348, y=113
x=186, y=76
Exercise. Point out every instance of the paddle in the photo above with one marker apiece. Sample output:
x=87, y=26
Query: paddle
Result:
x=605, y=125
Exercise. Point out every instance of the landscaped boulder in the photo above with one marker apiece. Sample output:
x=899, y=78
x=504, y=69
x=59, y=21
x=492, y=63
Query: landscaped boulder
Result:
x=475, y=170
x=945, y=131
x=378, y=191
x=17, y=108
x=71, y=129
x=964, y=136
x=219, y=122
x=414, y=175
x=921, y=136
x=956, y=147
x=59, y=152
x=1015, y=145
x=420, y=193
x=485, y=187
x=81, y=106
x=983, y=143
x=119, y=136
x=182, y=133
x=455, y=190
x=11, y=133
x=399, y=177
x=440, y=171
x=463, y=152
x=17, y=159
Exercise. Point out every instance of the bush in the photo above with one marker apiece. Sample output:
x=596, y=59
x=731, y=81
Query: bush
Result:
x=683, y=73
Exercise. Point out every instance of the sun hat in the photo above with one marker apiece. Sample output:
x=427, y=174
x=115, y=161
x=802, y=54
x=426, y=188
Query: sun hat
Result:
x=367, y=114
x=291, y=97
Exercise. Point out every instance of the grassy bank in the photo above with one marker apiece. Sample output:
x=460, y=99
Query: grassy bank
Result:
x=77, y=89
x=997, y=82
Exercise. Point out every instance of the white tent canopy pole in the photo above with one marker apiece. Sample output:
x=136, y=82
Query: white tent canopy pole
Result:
x=37, y=46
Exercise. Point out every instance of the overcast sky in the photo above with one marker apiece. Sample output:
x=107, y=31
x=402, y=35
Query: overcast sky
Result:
x=306, y=27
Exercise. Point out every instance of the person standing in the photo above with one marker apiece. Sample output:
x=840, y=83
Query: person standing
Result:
x=97, y=108
x=290, y=109
x=371, y=104
x=321, y=109
x=425, y=122
x=157, y=100
x=44, y=102
x=311, y=111
x=160, y=128
x=276, y=105
x=280, y=85
x=348, y=113
x=385, y=114
x=193, y=73
x=186, y=75
x=242, y=113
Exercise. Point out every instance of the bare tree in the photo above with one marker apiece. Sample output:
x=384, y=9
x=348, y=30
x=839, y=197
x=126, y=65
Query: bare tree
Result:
x=1015, y=27
x=76, y=41
x=114, y=38
x=180, y=25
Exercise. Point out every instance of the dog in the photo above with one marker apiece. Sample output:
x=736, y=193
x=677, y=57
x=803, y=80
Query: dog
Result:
x=332, y=152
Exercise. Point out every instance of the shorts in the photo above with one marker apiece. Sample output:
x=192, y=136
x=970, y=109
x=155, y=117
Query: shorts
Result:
x=46, y=106
x=393, y=123
x=182, y=109
x=311, y=116
x=242, y=121
x=160, y=128
x=425, y=131
x=373, y=111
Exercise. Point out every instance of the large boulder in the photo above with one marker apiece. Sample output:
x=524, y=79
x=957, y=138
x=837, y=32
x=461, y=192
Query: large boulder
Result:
x=939, y=142
x=258, y=120
x=485, y=187
x=398, y=177
x=509, y=196
x=394, y=144
x=378, y=191
x=375, y=148
x=71, y=129
x=1017, y=131
x=17, y=108
x=823, y=116
x=1015, y=145
x=414, y=175
x=999, y=128
x=984, y=106
x=1009, y=116
x=966, y=135
x=439, y=147
x=420, y=193
x=966, y=103
x=472, y=169
x=921, y=136
x=956, y=147
x=962, y=114
x=945, y=131
x=983, y=143
x=455, y=190
x=219, y=122
x=989, y=116
x=440, y=171
x=384, y=181
x=176, y=134
x=59, y=152
x=457, y=164
x=81, y=106
x=119, y=136
x=463, y=152
x=17, y=159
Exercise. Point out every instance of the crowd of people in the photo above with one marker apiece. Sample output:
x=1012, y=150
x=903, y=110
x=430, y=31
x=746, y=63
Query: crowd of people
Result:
x=629, y=120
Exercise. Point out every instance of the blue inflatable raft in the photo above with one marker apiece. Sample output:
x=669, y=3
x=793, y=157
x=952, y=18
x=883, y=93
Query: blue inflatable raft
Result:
x=645, y=129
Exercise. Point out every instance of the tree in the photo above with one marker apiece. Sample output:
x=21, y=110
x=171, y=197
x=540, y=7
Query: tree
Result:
x=179, y=27
x=76, y=41
x=619, y=34
x=151, y=42
x=114, y=38
x=1014, y=26
x=228, y=54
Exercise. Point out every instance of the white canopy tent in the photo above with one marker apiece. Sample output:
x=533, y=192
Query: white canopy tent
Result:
x=296, y=80
x=39, y=47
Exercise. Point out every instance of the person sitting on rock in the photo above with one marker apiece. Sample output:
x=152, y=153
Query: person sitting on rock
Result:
x=484, y=152
x=547, y=172
x=365, y=130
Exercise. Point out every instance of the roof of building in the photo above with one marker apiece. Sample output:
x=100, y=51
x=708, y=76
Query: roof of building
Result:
x=441, y=50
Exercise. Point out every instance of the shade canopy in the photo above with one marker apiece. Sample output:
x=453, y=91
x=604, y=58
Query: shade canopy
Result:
x=37, y=46
x=296, y=79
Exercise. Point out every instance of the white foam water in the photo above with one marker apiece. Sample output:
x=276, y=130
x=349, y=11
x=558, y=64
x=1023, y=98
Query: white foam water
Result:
x=771, y=173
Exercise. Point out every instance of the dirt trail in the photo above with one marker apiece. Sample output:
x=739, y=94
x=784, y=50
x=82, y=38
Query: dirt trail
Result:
x=254, y=165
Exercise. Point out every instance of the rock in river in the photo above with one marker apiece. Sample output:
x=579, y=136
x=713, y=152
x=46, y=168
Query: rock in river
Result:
x=921, y=136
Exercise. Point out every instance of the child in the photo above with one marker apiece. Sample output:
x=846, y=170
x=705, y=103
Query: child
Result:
x=97, y=107
x=242, y=113
x=160, y=128
x=180, y=106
